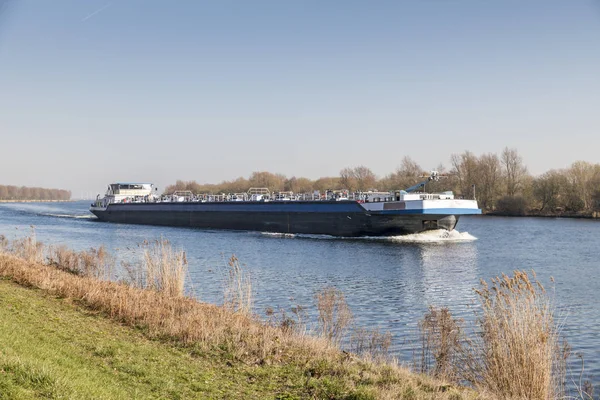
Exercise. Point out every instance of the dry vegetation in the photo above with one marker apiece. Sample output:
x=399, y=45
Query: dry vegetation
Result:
x=334, y=314
x=237, y=288
x=512, y=352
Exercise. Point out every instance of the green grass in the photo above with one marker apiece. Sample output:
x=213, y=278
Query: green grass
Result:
x=52, y=349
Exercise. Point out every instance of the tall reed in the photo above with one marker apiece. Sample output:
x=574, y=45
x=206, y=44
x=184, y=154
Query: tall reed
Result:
x=237, y=287
x=164, y=269
x=28, y=247
x=519, y=347
x=441, y=343
x=513, y=351
x=95, y=263
x=3, y=243
x=334, y=316
x=371, y=343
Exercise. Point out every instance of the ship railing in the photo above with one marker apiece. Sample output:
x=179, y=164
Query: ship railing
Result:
x=260, y=194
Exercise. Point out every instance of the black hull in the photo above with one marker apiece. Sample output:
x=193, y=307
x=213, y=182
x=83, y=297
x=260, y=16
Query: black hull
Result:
x=346, y=224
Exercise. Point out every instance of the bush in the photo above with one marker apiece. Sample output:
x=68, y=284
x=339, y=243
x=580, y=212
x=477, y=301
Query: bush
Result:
x=512, y=205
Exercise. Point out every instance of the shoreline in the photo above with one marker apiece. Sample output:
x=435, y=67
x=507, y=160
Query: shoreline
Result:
x=37, y=201
x=593, y=216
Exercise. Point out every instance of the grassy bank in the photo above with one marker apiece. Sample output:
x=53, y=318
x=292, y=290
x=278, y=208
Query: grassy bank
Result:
x=53, y=348
x=64, y=335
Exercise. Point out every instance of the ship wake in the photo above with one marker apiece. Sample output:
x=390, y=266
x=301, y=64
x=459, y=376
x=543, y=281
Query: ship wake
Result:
x=433, y=236
x=79, y=216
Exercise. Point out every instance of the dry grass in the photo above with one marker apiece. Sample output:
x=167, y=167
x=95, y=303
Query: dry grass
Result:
x=163, y=269
x=519, y=345
x=441, y=344
x=3, y=243
x=28, y=248
x=370, y=343
x=95, y=263
x=514, y=351
x=335, y=316
x=237, y=287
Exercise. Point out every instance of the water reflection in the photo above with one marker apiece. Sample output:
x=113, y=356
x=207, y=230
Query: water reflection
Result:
x=449, y=274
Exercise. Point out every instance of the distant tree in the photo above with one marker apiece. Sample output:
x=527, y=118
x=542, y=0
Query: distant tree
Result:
x=347, y=179
x=514, y=170
x=238, y=185
x=32, y=193
x=465, y=169
x=581, y=176
x=365, y=178
x=298, y=185
x=327, y=183
x=273, y=182
x=547, y=189
x=489, y=177
x=13, y=192
x=407, y=174
x=25, y=193
x=511, y=205
x=358, y=178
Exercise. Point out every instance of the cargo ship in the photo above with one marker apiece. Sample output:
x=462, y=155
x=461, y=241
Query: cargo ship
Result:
x=335, y=213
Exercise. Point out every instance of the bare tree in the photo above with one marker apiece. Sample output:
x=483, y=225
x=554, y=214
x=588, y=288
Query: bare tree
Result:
x=267, y=179
x=514, y=170
x=581, y=175
x=347, y=179
x=464, y=167
x=326, y=183
x=547, y=189
x=407, y=174
x=365, y=178
x=489, y=178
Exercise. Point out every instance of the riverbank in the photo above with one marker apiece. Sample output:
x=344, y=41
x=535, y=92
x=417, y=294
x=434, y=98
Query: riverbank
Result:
x=70, y=336
x=36, y=201
x=590, y=215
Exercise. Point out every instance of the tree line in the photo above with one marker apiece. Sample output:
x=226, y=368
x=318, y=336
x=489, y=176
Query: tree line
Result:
x=32, y=193
x=500, y=182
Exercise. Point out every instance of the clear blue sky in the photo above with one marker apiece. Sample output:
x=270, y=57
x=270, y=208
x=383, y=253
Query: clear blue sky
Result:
x=132, y=90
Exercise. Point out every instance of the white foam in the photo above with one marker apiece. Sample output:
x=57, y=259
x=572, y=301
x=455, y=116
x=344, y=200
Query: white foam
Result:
x=433, y=236
x=86, y=216
x=279, y=235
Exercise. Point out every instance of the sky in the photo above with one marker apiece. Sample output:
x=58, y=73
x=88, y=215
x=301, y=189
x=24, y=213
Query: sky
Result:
x=96, y=91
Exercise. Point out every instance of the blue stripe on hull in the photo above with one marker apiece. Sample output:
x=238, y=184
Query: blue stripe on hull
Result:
x=437, y=211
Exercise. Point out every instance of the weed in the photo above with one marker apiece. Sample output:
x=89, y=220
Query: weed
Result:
x=334, y=314
x=237, y=288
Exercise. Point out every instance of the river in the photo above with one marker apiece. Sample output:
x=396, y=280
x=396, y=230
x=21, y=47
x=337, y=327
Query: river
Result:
x=388, y=283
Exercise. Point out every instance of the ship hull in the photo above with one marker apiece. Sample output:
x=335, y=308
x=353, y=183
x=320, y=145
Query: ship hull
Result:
x=347, y=219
